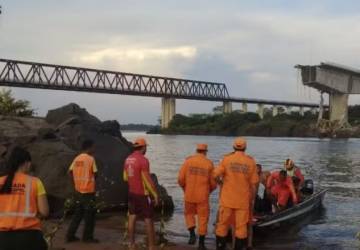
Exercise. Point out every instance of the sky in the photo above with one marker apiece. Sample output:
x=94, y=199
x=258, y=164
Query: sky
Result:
x=252, y=46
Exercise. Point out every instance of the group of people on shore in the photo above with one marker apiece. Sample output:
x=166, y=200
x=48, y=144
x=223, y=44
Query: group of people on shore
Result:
x=23, y=201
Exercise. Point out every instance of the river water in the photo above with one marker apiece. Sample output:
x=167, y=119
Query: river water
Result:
x=332, y=164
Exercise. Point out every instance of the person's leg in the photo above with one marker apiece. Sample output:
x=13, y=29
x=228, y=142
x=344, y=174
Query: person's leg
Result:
x=29, y=240
x=189, y=213
x=76, y=219
x=250, y=236
x=131, y=230
x=241, y=225
x=150, y=231
x=222, y=227
x=250, y=230
x=89, y=217
x=6, y=239
x=283, y=198
x=203, y=211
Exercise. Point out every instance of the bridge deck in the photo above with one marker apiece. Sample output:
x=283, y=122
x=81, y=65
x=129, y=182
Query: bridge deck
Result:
x=23, y=74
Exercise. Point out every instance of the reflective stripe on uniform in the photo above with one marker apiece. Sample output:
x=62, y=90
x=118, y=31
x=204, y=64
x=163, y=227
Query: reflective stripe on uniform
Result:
x=26, y=213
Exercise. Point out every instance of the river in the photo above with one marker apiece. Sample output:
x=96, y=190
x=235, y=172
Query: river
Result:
x=332, y=164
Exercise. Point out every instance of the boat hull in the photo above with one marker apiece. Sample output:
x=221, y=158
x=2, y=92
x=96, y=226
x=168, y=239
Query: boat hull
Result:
x=291, y=215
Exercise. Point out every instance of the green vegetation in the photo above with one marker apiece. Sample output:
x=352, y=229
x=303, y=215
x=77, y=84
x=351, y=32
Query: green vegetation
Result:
x=354, y=115
x=250, y=124
x=12, y=107
x=138, y=127
x=237, y=123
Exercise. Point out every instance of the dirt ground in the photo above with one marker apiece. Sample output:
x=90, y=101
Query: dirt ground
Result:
x=110, y=232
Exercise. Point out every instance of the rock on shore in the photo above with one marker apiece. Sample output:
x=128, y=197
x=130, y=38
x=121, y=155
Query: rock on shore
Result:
x=54, y=142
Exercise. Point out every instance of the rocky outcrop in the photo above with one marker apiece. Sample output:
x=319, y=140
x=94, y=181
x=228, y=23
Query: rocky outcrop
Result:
x=336, y=129
x=56, y=140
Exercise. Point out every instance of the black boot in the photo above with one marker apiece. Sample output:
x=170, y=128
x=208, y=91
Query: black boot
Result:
x=202, y=243
x=192, y=239
x=220, y=243
x=240, y=244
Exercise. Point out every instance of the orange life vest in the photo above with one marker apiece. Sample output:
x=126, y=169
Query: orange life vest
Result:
x=84, y=177
x=18, y=209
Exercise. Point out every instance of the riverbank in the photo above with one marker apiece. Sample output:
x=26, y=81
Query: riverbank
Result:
x=250, y=124
x=111, y=231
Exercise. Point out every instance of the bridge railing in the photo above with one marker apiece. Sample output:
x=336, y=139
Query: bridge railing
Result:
x=48, y=76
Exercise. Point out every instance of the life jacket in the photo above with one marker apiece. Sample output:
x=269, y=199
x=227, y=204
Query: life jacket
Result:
x=84, y=177
x=18, y=209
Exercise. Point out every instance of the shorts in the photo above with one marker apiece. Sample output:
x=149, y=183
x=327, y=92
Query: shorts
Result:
x=141, y=205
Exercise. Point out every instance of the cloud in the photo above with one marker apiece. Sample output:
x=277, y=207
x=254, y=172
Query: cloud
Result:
x=251, y=47
x=138, y=54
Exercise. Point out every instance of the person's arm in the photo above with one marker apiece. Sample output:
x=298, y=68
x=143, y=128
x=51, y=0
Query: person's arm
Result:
x=95, y=169
x=219, y=171
x=254, y=181
x=213, y=184
x=125, y=175
x=148, y=182
x=42, y=202
x=292, y=190
x=71, y=168
x=299, y=175
x=269, y=181
x=182, y=175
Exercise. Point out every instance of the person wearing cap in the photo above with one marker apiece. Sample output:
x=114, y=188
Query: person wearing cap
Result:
x=239, y=177
x=294, y=171
x=142, y=195
x=195, y=178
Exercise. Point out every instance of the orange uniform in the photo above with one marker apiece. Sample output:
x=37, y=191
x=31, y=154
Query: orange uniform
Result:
x=239, y=174
x=18, y=210
x=83, y=169
x=281, y=190
x=195, y=178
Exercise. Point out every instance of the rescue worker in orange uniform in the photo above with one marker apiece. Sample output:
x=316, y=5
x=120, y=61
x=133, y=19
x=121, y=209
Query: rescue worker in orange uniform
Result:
x=195, y=178
x=84, y=170
x=22, y=202
x=281, y=187
x=141, y=190
x=239, y=177
x=294, y=171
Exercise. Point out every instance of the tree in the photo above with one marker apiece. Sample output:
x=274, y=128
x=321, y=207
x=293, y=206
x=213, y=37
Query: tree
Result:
x=10, y=106
x=218, y=110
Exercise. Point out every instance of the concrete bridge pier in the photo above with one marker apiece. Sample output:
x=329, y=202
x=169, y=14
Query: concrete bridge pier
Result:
x=244, y=107
x=338, y=107
x=260, y=110
x=168, y=111
x=288, y=110
x=227, y=107
x=301, y=111
x=313, y=111
x=275, y=110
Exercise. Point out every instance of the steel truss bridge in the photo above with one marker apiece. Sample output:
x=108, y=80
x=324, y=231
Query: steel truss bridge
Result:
x=14, y=73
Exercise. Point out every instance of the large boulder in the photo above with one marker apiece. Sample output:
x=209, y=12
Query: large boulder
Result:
x=56, y=140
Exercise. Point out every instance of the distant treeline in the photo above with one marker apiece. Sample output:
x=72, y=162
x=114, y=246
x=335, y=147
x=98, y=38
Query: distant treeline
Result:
x=250, y=124
x=138, y=127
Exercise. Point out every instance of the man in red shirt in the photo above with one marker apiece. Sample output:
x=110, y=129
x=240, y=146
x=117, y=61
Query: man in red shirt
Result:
x=141, y=189
x=281, y=187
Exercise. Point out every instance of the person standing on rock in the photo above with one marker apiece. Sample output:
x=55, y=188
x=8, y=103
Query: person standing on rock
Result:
x=22, y=202
x=141, y=190
x=195, y=178
x=83, y=170
x=239, y=176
